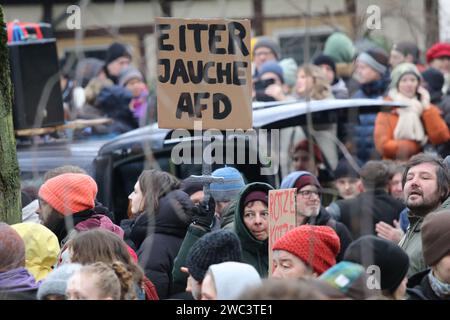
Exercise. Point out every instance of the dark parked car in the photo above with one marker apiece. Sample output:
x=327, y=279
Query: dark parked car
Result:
x=116, y=164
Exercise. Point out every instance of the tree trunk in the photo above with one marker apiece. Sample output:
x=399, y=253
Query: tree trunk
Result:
x=10, y=202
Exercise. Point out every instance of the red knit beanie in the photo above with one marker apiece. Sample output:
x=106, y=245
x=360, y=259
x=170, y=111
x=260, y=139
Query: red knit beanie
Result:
x=317, y=246
x=69, y=193
x=256, y=196
x=306, y=180
x=304, y=146
x=438, y=50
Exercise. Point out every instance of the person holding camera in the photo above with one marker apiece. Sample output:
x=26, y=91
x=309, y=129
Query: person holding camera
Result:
x=404, y=132
x=270, y=85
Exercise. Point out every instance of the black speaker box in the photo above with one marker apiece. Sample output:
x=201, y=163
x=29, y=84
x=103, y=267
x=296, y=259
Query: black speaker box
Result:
x=35, y=78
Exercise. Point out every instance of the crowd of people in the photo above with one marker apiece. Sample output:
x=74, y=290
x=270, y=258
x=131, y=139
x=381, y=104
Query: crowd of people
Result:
x=112, y=88
x=372, y=242
x=373, y=224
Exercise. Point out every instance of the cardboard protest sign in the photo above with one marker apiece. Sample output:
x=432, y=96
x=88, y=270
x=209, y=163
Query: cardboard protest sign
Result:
x=282, y=216
x=204, y=73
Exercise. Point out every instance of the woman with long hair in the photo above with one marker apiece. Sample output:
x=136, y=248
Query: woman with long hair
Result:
x=162, y=215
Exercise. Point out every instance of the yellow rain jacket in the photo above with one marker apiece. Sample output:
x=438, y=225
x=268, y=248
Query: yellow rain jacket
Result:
x=41, y=248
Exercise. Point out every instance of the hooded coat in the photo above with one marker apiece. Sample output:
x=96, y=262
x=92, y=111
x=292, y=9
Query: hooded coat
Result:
x=41, y=248
x=323, y=218
x=419, y=287
x=226, y=273
x=158, y=239
x=254, y=252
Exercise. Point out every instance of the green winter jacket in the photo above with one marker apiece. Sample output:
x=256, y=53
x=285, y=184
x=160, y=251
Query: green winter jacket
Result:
x=192, y=235
x=411, y=243
x=445, y=204
x=254, y=252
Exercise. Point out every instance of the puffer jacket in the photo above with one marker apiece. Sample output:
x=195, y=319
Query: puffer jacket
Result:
x=158, y=239
x=389, y=148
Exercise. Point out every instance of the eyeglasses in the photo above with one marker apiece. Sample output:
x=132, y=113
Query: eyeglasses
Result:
x=262, y=53
x=307, y=194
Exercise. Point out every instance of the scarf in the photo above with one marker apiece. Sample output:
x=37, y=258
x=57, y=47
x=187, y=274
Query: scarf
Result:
x=17, y=280
x=139, y=104
x=409, y=125
x=442, y=290
x=376, y=88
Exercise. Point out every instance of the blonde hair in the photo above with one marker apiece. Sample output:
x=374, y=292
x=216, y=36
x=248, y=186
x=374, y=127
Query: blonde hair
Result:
x=321, y=88
x=113, y=280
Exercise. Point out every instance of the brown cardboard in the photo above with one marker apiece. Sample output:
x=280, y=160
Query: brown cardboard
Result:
x=214, y=48
x=282, y=216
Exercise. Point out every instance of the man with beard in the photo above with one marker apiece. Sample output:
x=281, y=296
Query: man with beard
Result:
x=426, y=183
x=309, y=208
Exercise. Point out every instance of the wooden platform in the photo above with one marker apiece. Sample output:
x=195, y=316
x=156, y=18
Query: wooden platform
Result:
x=75, y=124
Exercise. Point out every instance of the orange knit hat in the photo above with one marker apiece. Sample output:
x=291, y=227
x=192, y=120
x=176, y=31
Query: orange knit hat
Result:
x=69, y=193
x=317, y=246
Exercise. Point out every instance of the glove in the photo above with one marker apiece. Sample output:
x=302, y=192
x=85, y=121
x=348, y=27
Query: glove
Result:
x=203, y=214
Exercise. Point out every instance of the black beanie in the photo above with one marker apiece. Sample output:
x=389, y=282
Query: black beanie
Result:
x=116, y=50
x=434, y=80
x=389, y=257
x=213, y=248
x=324, y=59
x=406, y=48
x=345, y=170
x=191, y=185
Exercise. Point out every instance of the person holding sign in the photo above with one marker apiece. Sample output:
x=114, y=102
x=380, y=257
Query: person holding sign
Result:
x=306, y=251
x=204, y=73
x=309, y=208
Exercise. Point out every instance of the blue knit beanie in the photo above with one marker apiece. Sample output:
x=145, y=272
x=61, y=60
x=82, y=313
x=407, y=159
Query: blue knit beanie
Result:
x=230, y=188
x=272, y=66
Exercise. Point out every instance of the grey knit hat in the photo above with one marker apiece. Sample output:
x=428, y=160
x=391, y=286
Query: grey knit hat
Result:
x=129, y=73
x=56, y=281
x=213, y=248
x=375, y=58
x=266, y=42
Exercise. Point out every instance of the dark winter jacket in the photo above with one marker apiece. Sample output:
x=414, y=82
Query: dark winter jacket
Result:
x=373, y=90
x=360, y=135
x=158, y=239
x=362, y=213
x=114, y=102
x=419, y=287
x=444, y=105
x=323, y=218
x=254, y=252
x=193, y=234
